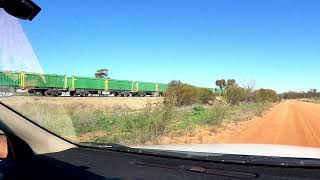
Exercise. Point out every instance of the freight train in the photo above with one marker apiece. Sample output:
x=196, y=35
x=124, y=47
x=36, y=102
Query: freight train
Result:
x=57, y=85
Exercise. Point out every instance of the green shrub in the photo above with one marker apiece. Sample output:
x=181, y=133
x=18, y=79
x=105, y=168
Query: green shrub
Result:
x=184, y=95
x=198, y=109
x=199, y=116
x=135, y=128
x=216, y=114
x=205, y=95
x=236, y=94
x=265, y=95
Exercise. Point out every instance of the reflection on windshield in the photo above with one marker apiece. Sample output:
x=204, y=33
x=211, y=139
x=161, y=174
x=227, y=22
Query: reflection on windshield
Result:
x=16, y=53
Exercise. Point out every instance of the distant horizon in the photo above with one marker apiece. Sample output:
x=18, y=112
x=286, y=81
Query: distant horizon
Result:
x=274, y=43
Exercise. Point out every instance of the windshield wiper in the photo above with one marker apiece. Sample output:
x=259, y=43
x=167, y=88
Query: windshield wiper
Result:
x=106, y=145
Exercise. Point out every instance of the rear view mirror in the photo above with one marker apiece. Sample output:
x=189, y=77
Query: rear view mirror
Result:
x=3, y=146
x=23, y=9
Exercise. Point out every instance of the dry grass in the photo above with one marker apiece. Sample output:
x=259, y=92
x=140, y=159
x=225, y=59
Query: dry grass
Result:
x=128, y=121
x=314, y=100
x=72, y=117
x=130, y=103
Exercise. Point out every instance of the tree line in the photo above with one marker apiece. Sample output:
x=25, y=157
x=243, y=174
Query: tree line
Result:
x=312, y=93
x=181, y=94
x=235, y=94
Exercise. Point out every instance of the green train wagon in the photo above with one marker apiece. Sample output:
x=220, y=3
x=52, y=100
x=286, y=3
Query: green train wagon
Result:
x=150, y=88
x=219, y=91
x=147, y=87
x=83, y=86
x=10, y=79
x=121, y=85
x=162, y=87
x=216, y=91
x=43, y=81
x=44, y=84
x=79, y=82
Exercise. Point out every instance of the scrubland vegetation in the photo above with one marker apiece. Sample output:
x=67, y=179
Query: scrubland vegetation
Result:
x=311, y=94
x=184, y=108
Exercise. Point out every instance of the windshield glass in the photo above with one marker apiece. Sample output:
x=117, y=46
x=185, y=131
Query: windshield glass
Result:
x=157, y=73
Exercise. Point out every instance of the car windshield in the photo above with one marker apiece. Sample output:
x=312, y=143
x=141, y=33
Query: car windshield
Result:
x=167, y=74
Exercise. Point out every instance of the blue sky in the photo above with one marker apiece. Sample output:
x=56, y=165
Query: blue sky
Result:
x=273, y=42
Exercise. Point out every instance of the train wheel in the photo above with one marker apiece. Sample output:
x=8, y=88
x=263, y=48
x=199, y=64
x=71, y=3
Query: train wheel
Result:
x=72, y=93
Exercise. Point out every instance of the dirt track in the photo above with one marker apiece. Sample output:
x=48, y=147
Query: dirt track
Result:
x=289, y=123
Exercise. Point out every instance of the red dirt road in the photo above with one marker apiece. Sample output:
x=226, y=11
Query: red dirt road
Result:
x=288, y=123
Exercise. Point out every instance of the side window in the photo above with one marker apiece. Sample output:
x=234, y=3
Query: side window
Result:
x=3, y=146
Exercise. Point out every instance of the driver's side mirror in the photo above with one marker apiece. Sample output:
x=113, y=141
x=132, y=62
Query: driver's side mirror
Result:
x=3, y=146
